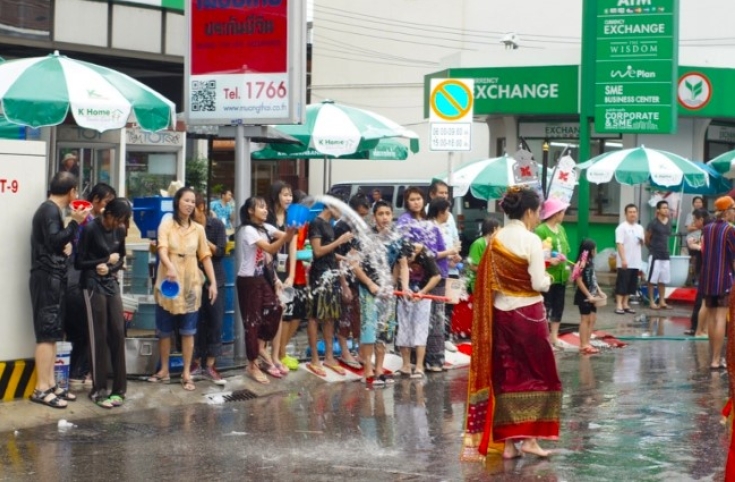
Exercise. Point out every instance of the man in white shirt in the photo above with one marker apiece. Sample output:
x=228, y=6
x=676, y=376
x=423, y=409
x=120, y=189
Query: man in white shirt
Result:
x=629, y=237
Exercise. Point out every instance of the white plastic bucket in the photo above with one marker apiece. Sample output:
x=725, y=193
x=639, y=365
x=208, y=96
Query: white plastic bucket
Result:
x=61, y=364
x=679, y=271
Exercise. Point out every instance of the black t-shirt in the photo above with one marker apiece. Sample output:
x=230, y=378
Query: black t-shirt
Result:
x=95, y=247
x=48, y=238
x=659, y=244
x=319, y=228
x=217, y=235
x=340, y=228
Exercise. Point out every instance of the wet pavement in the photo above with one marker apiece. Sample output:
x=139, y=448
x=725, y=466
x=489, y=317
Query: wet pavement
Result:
x=648, y=411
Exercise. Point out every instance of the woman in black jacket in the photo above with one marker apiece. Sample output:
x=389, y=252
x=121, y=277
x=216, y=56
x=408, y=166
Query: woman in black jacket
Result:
x=100, y=255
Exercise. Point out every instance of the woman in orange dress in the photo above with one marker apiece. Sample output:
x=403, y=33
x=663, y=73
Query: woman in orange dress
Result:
x=514, y=392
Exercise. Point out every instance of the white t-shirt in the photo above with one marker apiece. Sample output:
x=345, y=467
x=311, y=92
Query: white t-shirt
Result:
x=250, y=258
x=631, y=237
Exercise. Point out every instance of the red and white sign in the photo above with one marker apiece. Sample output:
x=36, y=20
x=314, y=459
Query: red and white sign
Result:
x=245, y=62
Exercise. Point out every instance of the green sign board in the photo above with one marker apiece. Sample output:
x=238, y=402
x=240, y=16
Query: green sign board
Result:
x=517, y=90
x=706, y=92
x=636, y=66
x=177, y=5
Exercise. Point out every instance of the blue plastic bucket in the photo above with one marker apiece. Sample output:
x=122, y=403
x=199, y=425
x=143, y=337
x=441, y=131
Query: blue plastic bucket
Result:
x=297, y=215
x=169, y=289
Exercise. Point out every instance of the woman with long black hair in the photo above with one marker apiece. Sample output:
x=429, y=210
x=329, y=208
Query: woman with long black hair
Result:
x=257, y=243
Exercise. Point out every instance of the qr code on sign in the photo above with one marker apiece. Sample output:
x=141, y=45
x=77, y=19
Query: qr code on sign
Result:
x=203, y=95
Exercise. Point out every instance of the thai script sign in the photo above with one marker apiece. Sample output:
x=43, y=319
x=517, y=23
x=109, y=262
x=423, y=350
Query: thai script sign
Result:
x=245, y=62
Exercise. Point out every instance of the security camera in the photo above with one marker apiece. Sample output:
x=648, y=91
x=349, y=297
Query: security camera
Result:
x=510, y=40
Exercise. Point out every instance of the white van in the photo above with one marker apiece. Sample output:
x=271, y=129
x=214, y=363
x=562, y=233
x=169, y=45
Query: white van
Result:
x=469, y=213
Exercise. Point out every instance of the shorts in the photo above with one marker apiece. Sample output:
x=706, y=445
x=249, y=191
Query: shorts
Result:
x=586, y=308
x=377, y=318
x=716, y=301
x=166, y=322
x=626, y=282
x=659, y=271
x=554, y=302
x=325, y=303
x=48, y=295
x=298, y=309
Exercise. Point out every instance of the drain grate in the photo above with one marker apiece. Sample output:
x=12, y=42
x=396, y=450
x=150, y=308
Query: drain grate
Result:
x=233, y=396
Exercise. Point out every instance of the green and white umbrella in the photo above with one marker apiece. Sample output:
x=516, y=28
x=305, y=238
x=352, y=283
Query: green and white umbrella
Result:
x=640, y=165
x=41, y=91
x=489, y=178
x=385, y=150
x=724, y=164
x=338, y=130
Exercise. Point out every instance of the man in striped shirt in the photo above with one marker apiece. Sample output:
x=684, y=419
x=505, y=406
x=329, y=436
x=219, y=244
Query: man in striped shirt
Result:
x=718, y=262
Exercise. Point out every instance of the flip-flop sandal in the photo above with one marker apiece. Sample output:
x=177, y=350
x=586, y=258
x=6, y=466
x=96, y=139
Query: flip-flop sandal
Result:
x=620, y=312
x=39, y=396
x=273, y=371
x=316, y=370
x=336, y=369
x=258, y=377
x=401, y=373
x=665, y=307
x=629, y=310
x=188, y=385
x=417, y=375
x=104, y=403
x=159, y=379
x=282, y=368
x=64, y=394
x=350, y=363
x=654, y=307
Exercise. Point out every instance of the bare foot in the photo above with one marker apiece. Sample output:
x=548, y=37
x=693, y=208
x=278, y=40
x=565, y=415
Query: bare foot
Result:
x=511, y=452
x=532, y=447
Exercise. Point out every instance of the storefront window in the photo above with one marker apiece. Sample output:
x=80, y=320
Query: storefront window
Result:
x=149, y=173
x=29, y=19
x=89, y=166
x=720, y=139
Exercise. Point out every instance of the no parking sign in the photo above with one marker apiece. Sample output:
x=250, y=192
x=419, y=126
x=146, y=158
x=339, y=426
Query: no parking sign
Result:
x=450, y=113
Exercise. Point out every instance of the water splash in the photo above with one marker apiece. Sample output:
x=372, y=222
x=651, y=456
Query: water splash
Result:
x=372, y=247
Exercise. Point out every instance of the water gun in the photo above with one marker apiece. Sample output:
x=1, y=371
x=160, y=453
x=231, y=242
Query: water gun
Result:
x=561, y=257
x=577, y=270
x=441, y=299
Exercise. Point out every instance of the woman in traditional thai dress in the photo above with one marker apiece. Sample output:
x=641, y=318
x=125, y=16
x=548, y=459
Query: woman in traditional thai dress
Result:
x=514, y=392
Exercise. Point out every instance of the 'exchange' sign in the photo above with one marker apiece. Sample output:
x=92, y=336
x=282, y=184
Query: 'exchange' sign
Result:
x=636, y=66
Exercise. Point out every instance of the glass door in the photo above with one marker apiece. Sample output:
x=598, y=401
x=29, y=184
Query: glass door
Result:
x=90, y=165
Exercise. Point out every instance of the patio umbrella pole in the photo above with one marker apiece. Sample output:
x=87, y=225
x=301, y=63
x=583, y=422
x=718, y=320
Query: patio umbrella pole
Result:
x=243, y=182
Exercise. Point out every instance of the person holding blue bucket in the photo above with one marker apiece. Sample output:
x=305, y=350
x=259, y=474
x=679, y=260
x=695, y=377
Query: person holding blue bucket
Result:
x=257, y=283
x=182, y=245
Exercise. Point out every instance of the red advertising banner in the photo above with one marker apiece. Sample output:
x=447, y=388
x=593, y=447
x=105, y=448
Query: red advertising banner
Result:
x=239, y=36
x=245, y=62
